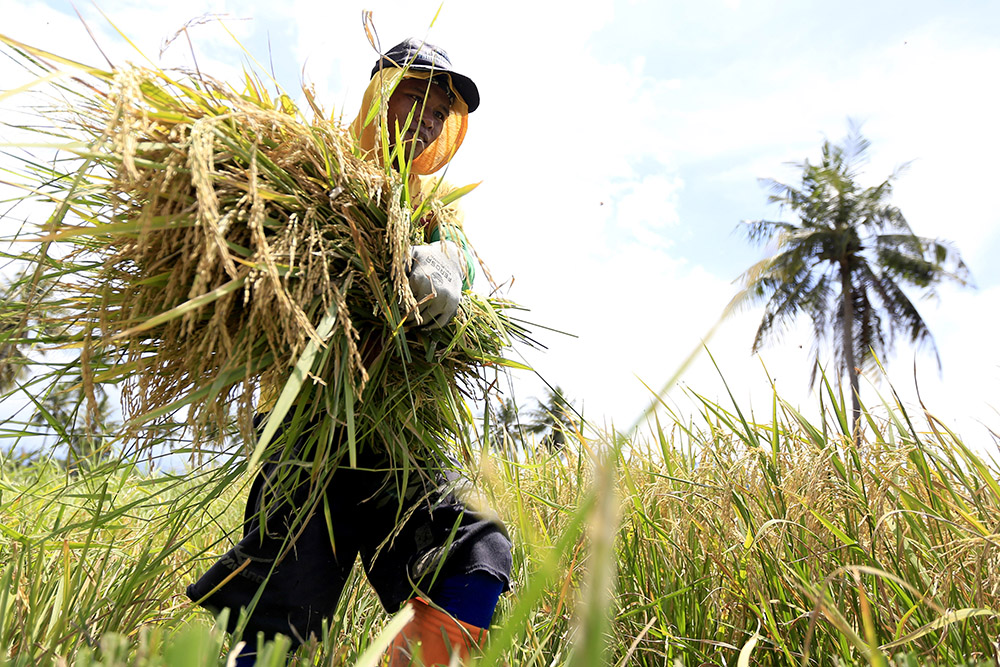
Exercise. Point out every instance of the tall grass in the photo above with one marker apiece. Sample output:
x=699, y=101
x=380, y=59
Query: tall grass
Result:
x=707, y=540
x=713, y=540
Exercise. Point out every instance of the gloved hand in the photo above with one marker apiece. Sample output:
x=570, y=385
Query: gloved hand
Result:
x=436, y=282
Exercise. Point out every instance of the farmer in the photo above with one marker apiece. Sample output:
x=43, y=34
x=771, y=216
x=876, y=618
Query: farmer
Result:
x=418, y=542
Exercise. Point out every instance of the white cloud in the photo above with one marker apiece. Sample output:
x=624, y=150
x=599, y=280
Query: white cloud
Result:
x=648, y=207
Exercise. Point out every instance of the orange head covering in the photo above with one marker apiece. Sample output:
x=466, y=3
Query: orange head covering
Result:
x=371, y=121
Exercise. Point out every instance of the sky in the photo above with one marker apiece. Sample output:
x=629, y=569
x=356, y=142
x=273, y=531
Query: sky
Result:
x=621, y=145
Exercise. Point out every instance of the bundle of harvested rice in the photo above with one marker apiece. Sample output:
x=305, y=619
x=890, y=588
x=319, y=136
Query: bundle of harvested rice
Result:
x=239, y=259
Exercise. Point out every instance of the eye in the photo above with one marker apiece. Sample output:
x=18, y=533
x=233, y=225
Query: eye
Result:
x=440, y=116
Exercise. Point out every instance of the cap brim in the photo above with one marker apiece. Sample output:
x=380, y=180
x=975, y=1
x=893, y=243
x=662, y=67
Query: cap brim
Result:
x=462, y=84
x=465, y=87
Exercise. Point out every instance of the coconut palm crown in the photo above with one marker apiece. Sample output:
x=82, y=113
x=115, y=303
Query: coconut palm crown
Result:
x=845, y=263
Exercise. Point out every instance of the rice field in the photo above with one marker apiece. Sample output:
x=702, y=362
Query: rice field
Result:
x=713, y=541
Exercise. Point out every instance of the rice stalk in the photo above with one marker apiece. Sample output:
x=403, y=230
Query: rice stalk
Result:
x=218, y=227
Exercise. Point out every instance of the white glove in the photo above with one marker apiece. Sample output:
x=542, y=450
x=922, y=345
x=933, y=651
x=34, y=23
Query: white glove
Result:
x=436, y=282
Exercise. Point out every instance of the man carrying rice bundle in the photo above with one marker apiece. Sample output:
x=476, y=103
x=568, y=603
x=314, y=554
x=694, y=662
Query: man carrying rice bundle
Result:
x=418, y=542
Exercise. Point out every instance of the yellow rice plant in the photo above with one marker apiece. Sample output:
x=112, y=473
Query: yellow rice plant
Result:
x=221, y=255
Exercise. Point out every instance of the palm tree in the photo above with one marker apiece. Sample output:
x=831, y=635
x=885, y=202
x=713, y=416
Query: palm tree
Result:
x=506, y=423
x=844, y=262
x=551, y=417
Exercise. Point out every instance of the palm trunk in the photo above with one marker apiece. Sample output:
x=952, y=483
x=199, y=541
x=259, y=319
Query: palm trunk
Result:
x=847, y=332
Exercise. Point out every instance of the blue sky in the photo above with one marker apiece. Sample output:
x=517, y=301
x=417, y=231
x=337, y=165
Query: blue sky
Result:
x=620, y=146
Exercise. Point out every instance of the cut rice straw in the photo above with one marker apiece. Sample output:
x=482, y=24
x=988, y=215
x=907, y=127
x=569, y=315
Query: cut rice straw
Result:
x=223, y=256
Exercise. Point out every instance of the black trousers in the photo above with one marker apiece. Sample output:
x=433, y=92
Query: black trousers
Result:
x=408, y=536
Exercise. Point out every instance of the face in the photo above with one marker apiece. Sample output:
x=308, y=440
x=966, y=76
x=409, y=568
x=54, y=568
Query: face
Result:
x=430, y=107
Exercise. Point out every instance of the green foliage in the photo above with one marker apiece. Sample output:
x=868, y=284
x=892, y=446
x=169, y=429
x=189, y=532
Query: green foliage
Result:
x=713, y=541
x=845, y=263
x=217, y=254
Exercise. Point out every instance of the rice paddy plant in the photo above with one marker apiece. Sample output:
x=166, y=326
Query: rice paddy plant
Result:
x=211, y=251
x=707, y=539
x=810, y=547
x=238, y=272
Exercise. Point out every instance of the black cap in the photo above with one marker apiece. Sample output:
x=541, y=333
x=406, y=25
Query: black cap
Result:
x=419, y=55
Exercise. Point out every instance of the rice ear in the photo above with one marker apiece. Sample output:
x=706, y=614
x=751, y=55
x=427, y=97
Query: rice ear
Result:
x=220, y=230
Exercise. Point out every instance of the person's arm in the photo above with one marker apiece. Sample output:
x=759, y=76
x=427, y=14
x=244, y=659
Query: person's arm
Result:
x=457, y=236
x=443, y=267
x=444, y=222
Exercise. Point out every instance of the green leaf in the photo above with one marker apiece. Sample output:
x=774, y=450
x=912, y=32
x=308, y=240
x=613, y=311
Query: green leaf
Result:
x=373, y=654
x=294, y=384
x=939, y=623
x=458, y=193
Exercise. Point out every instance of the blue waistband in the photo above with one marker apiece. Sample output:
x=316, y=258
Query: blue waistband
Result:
x=471, y=598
